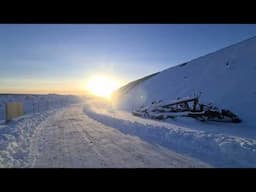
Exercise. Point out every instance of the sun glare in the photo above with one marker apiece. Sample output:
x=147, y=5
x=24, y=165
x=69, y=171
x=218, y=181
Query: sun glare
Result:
x=102, y=86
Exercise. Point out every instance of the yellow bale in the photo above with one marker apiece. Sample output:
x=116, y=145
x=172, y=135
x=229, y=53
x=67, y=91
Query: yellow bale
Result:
x=13, y=110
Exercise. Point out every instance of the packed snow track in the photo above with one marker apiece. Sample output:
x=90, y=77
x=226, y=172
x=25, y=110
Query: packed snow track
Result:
x=70, y=139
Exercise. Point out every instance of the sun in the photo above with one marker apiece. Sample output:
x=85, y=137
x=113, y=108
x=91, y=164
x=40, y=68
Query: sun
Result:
x=102, y=86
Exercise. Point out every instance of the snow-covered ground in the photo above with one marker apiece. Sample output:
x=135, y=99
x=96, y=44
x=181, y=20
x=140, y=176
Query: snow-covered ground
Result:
x=66, y=137
x=16, y=138
x=72, y=139
x=94, y=134
x=17, y=135
x=218, y=144
x=36, y=103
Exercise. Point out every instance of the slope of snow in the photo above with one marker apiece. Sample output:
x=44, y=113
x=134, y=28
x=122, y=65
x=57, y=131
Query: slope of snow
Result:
x=225, y=78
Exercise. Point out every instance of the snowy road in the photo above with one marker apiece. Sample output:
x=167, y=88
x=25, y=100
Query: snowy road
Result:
x=70, y=139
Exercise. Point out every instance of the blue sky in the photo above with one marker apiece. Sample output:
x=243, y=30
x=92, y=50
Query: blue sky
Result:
x=53, y=55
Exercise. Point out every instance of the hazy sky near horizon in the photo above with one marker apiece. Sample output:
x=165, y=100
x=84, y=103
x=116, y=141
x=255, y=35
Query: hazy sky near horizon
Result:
x=57, y=57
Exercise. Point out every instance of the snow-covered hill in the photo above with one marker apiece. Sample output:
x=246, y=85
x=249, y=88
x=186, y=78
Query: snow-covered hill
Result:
x=225, y=78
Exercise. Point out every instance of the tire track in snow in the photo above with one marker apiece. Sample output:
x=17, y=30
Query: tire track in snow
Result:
x=72, y=139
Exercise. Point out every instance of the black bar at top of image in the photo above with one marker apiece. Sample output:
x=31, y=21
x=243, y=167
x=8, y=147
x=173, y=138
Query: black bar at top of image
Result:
x=187, y=12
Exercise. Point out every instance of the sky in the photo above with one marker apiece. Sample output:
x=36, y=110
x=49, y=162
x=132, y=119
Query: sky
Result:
x=61, y=57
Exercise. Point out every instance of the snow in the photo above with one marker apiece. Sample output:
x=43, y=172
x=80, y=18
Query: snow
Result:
x=35, y=103
x=96, y=135
x=16, y=138
x=218, y=144
x=101, y=134
x=225, y=78
x=72, y=139
x=67, y=138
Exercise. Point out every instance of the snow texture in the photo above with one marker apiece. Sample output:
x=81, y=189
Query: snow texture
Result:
x=16, y=138
x=225, y=78
x=67, y=138
x=70, y=139
x=207, y=142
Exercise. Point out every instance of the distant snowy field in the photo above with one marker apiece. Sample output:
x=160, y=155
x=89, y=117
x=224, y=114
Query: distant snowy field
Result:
x=35, y=103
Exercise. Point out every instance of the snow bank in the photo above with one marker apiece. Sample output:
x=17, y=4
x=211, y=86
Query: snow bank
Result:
x=16, y=139
x=17, y=136
x=216, y=149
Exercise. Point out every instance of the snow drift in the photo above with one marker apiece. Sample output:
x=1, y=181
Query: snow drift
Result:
x=225, y=78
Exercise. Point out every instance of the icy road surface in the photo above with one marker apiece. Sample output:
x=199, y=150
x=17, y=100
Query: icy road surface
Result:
x=70, y=139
